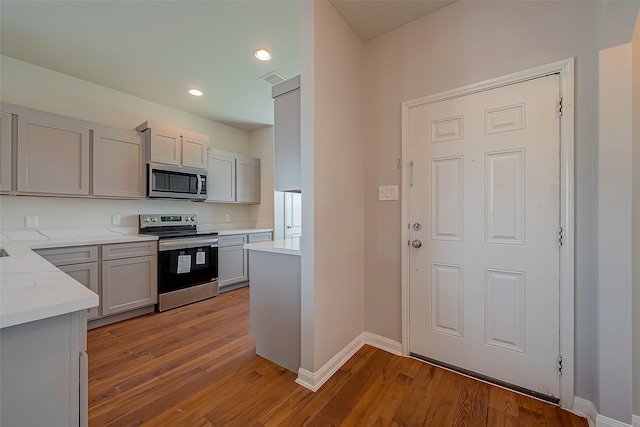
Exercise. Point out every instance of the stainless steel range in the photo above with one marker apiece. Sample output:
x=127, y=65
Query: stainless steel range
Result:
x=187, y=259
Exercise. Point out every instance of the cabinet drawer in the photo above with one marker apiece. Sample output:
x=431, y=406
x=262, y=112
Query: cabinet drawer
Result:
x=236, y=239
x=129, y=250
x=67, y=256
x=259, y=237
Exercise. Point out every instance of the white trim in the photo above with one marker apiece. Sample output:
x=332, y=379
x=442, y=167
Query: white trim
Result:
x=585, y=408
x=635, y=420
x=382, y=343
x=567, y=211
x=602, y=421
x=314, y=380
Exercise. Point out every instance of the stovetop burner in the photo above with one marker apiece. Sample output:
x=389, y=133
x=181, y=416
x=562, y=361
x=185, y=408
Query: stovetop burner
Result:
x=169, y=225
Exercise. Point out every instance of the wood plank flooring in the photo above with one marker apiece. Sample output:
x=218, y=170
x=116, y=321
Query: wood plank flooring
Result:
x=196, y=366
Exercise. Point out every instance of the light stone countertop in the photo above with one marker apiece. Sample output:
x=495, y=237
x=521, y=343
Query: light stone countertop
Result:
x=222, y=232
x=286, y=247
x=212, y=228
x=31, y=288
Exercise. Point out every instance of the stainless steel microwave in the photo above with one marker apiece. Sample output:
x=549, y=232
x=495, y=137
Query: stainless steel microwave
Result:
x=176, y=182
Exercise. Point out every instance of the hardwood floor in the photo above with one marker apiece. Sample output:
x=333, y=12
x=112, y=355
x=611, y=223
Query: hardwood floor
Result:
x=196, y=366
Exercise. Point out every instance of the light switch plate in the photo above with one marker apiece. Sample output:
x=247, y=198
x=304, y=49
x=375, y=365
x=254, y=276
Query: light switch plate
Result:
x=388, y=192
x=115, y=219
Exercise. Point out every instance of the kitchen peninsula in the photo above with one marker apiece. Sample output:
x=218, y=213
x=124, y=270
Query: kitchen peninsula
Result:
x=43, y=359
x=275, y=300
x=43, y=321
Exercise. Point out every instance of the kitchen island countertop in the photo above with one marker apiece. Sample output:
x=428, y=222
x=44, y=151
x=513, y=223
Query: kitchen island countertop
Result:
x=286, y=247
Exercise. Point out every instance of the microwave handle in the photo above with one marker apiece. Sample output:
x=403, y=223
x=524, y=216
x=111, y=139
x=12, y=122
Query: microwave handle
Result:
x=199, y=184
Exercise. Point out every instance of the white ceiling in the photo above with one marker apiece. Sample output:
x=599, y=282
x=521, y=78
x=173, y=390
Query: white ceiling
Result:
x=370, y=18
x=156, y=50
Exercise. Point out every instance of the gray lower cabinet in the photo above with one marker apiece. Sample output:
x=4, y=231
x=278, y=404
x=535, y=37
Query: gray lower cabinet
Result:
x=129, y=276
x=233, y=260
x=43, y=372
x=79, y=262
x=274, y=310
x=233, y=267
x=124, y=275
x=128, y=283
x=87, y=274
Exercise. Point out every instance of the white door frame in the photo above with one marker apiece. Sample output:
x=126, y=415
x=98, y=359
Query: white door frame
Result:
x=567, y=195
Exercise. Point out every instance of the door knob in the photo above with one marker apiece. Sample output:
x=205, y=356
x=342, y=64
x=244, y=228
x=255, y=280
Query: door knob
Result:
x=416, y=243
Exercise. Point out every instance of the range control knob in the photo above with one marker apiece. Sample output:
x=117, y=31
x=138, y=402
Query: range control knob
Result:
x=146, y=219
x=193, y=218
x=154, y=219
x=186, y=218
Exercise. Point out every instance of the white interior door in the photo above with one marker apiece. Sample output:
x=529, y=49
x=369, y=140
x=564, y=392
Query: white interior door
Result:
x=293, y=215
x=484, y=285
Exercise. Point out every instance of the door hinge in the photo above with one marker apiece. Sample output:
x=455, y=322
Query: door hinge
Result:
x=560, y=236
x=560, y=107
x=560, y=365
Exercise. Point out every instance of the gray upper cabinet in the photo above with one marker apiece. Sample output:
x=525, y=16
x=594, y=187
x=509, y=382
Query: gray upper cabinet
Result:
x=194, y=150
x=118, y=165
x=44, y=153
x=174, y=146
x=233, y=178
x=5, y=152
x=287, y=135
x=53, y=158
x=247, y=180
x=164, y=146
x=221, y=177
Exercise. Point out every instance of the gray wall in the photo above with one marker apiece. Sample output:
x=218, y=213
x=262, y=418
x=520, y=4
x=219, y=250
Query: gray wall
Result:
x=461, y=44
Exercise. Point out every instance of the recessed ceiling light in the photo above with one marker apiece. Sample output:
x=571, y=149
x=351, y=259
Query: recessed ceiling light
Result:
x=195, y=92
x=262, y=54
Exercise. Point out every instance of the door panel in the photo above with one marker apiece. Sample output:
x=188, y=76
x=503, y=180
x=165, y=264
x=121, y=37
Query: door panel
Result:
x=293, y=215
x=484, y=285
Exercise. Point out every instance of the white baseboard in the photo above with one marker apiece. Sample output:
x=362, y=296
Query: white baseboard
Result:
x=602, y=421
x=586, y=408
x=382, y=343
x=314, y=380
x=635, y=421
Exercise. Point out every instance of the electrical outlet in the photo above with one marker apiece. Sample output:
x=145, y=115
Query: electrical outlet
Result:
x=31, y=221
x=227, y=218
x=115, y=219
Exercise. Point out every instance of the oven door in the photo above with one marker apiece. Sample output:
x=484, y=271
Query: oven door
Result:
x=186, y=262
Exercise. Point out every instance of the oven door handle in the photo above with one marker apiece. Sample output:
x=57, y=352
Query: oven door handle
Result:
x=186, y=243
